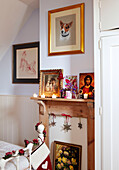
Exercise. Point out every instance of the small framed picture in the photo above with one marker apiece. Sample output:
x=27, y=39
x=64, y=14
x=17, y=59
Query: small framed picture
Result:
x=66, y=30
x=26, y=63
x=50, y=82
x=67, y=156
x=71, y=84
x=86, y=84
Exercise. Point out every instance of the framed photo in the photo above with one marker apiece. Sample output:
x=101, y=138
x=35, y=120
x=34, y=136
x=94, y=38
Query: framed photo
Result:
x=66, y=30
x=26, y=63
x=71, y=84
x=86, y=83
x=50, y=82
x=67, y=156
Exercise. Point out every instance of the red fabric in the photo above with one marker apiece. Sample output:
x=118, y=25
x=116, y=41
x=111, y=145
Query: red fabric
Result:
x=63, y=114
x=46, y=163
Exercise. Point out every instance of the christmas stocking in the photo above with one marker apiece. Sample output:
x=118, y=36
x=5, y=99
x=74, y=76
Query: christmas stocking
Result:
x=40, y=159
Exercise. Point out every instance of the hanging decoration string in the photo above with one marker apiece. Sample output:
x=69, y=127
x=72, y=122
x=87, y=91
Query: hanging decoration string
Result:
x=53, y=123
x=67, y=117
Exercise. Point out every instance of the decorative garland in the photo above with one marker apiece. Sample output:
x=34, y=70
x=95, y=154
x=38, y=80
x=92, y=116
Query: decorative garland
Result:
x=10, y=154
x=21, y=151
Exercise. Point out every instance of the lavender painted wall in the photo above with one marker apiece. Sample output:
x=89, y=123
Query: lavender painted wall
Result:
x=29, y=33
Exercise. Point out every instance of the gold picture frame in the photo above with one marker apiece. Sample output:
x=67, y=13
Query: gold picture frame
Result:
x=67, y=155
x=50, y=82
x=66, y=30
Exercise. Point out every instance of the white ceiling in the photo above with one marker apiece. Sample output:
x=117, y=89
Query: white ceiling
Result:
x=33, y=3
x=13, y=15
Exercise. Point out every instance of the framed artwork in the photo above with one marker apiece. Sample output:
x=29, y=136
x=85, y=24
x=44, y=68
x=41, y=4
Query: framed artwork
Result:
x=86, y=83
x=50, y=82
x=71, y=83
x=66, y=30
x=26, y=63
x=67, y=156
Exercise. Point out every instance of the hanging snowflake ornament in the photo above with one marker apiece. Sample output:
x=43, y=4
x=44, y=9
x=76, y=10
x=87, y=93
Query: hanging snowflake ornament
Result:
x=80, y=124
x=52, y=123
x=66, y=126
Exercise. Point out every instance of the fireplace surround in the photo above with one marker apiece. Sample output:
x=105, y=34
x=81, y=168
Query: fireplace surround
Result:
x=76, y=108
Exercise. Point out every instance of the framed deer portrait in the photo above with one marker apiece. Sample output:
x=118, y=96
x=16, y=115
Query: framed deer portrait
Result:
x=26, y=63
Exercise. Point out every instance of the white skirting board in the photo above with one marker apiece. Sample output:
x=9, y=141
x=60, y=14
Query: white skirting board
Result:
x=18, y=116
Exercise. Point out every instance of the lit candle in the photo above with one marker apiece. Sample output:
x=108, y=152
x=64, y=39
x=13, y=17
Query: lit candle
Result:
x=42, y=96
x=85, y=96
x=35, y=95
x=54, y=96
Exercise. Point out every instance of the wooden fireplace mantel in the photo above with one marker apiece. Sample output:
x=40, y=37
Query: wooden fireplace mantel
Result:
x=74, y=107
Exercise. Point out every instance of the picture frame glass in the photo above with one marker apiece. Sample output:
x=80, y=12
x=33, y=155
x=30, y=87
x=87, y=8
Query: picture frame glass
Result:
x=66, y=30
x=26, y=63
x=50, y=83
x=86, y=83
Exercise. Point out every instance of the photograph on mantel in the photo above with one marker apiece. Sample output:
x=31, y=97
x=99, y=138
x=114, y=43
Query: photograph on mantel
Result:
x=50, y=82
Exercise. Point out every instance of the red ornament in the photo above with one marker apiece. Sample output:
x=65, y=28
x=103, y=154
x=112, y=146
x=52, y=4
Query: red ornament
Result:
x=13, y=152
x=35, y=141
x=60, y=76
x=26, y=142
x=21, y=152
x=44, y=132
x=8, y=154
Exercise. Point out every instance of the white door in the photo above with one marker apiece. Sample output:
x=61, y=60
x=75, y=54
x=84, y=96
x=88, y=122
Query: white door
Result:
x=110, y=102
x=109, y=14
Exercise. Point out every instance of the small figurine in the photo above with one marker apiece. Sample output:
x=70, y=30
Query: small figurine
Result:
x=40, y=129
x=40, y=158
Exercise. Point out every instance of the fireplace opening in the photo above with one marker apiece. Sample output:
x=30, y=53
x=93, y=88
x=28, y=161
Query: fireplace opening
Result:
x=76, y=136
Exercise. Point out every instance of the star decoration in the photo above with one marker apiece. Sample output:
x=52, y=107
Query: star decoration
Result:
x=66, y=127
x=80, y=125
x=52, y=124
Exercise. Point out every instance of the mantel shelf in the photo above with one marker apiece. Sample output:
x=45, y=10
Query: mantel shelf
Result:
x=63, y=100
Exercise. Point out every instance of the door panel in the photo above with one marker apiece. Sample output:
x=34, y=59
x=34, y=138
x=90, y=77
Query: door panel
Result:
x=110, y=102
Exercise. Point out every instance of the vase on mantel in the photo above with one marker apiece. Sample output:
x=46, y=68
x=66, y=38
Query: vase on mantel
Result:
x=69, y=94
